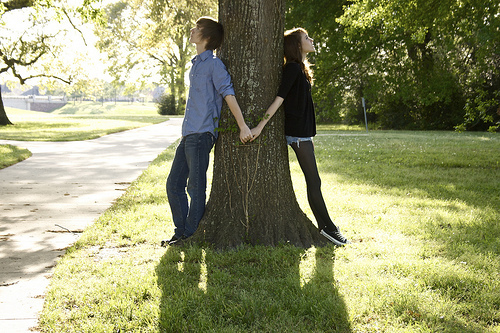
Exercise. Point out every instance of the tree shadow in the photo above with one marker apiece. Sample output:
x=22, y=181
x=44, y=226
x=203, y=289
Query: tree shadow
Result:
x=250, y=289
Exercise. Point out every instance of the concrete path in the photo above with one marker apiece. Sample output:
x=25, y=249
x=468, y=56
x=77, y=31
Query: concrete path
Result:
x=63, y=187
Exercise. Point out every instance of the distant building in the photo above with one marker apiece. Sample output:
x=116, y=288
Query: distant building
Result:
x=35, y=103
x=35, y=91
x=5, y=89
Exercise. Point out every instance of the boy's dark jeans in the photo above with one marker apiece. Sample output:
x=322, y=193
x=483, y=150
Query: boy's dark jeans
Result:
x=189, y=169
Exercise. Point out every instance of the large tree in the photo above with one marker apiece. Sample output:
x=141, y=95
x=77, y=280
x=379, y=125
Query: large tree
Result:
x=30, y=43
x=252, y=198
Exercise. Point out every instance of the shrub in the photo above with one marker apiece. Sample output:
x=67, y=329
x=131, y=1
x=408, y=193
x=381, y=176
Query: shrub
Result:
x=166, y=105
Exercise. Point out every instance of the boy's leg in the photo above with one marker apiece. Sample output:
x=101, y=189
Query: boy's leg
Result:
x=176, y=189
x=198, y=147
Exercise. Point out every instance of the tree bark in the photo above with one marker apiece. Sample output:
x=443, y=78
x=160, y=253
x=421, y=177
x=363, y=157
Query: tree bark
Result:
x=4, y=120
x=252, y=199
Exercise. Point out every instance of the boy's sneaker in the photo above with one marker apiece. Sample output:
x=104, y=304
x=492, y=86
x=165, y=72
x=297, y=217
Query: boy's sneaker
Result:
x=166, y=242
x=335, y=237
x=179, y=242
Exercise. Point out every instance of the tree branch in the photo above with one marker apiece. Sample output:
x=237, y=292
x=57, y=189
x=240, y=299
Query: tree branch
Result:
x=11, y=64
x=68, y=81
x=74, y=26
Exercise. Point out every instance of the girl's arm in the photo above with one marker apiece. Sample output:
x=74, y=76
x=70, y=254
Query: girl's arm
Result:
x=269, y=113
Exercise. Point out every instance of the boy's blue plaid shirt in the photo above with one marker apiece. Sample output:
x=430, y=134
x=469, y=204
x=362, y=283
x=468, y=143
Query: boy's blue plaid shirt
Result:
x=209, y=84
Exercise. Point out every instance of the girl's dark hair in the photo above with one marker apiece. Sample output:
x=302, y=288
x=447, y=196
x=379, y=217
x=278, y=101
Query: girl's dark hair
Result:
x=293, y=51
x=212, y=31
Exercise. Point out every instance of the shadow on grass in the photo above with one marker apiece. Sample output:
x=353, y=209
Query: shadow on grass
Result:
x=250, y=289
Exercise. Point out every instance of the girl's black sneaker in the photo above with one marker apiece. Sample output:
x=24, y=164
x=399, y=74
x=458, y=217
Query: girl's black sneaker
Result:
x=335, y=237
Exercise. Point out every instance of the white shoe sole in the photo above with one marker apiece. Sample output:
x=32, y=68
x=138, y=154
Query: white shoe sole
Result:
x=333, y=240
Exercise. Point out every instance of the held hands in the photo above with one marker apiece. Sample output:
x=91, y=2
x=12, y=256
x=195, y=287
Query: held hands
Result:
x=255, y=132
x=245, y=134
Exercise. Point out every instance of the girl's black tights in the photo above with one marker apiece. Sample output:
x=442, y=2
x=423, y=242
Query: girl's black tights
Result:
x=307, y=161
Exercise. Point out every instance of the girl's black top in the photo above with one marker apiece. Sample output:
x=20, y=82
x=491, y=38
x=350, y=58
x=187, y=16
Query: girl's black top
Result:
x=295, y=89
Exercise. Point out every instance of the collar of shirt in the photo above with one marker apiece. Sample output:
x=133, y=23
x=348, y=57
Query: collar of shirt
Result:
x=203, y=56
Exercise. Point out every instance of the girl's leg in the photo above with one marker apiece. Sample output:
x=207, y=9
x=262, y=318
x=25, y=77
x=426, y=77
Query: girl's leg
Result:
x=307, y=160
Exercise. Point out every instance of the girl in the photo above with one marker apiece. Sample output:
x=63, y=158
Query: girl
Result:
x=300, y=124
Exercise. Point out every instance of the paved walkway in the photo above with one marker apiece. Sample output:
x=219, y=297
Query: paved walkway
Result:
x=63, y=187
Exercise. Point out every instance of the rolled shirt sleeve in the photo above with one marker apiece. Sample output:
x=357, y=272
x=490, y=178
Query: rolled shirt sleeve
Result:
x=222, y=79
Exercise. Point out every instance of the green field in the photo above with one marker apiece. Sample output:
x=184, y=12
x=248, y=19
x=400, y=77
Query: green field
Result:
x=10, y=155
x=80, y=121
x=422, y=210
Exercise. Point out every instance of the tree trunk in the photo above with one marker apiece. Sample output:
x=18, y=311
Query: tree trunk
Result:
x=252, y=198
x=4, y=120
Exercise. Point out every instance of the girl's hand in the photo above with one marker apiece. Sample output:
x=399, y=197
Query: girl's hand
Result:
x=255, y=133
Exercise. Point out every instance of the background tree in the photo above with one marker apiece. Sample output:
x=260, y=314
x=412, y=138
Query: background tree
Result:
x=333, y=66
x=407, y=83
x=4, y=120
x=420, y=64
x=252, y=198
x=151, y=37
x=29, y=39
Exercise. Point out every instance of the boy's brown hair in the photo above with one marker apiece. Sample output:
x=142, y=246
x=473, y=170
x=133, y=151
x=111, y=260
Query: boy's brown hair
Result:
x=212, y=31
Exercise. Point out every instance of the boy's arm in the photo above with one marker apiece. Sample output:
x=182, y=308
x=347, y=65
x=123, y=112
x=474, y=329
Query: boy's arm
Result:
x=245, y=133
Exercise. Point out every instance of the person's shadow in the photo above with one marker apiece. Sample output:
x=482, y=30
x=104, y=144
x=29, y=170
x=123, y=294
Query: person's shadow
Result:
x=257, y=289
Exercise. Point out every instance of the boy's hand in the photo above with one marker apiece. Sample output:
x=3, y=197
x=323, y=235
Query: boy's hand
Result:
x=245, y=134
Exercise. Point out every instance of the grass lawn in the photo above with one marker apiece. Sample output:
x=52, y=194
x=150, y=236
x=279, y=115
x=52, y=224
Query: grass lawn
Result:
x=422, y=210
x=80, y=121
x=10, y=155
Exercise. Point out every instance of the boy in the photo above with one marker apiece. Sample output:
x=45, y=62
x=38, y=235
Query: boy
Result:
x=209, y=84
